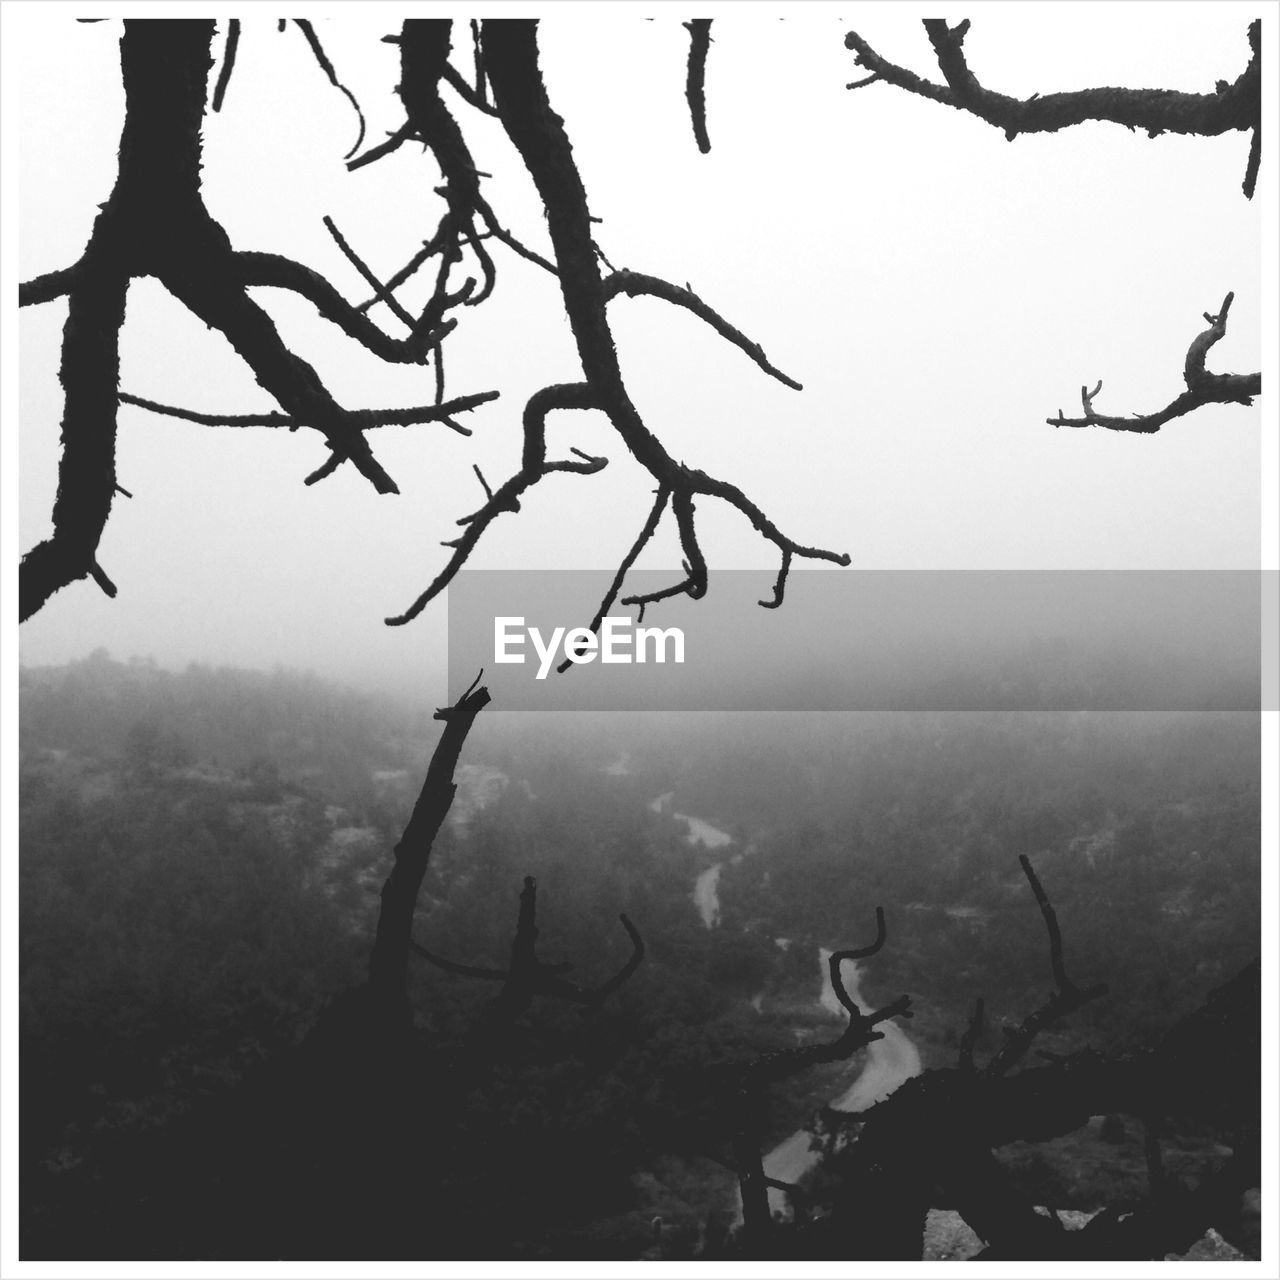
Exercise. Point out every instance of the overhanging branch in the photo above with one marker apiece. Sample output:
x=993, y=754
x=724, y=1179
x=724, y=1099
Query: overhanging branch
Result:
x=1232, y=106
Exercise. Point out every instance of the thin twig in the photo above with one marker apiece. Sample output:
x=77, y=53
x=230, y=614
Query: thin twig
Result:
x=228, y=62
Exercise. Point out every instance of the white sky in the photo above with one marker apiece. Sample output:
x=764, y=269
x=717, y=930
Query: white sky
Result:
x=938, y=290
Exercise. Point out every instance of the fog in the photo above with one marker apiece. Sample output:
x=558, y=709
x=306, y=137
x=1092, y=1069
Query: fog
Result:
x=938, y=291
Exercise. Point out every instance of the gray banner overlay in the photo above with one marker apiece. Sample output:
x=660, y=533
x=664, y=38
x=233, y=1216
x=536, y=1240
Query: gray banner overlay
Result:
x=858, y=640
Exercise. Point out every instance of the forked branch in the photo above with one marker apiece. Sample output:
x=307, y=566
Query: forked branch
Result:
x=1203, y=387
x=1065, y=999
x=527, y=977
x=510, y=56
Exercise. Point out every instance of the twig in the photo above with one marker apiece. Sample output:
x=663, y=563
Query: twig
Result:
x=380, y=291
x=274, y=271
x=327, y=67
x=392, y=142
x=642, y=539
x=367, y=418
x=228, y=62
x=634, y=285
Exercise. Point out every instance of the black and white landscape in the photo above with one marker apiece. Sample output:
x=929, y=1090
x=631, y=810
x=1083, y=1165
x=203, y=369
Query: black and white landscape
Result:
x=915, y=915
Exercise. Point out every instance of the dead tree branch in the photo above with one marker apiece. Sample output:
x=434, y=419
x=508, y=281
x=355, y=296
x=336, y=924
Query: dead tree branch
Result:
x=695, y=90
x=527, y=977
x=322, y=59
x=930, y=1143
x=389, y=961
x=1203, y=387
x=1065, y=999
x=368, y=418
x=1232, y=106
x=155, y=223
x=646, y=532
x=510, y=54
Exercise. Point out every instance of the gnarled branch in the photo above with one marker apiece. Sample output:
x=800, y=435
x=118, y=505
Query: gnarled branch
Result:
x=1234, y=106
x=510, y=55
x=1203, y=387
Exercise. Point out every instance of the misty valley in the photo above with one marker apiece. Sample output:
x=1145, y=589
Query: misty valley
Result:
x=202, y=859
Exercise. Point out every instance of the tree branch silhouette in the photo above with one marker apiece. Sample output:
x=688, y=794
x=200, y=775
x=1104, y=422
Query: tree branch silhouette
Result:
x=1203, y=387
x=1232, y=106
x=155, y=223
x=695, y=91
x=510, y=54
x=527, y=977
x=389, y=960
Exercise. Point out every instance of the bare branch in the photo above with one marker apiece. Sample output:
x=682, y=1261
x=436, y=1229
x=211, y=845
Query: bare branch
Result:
x=527, y=977
x=1235, y=106
x=380, y=291
x=780, y=584
x=89, y=371
x=274, y=271
x=384, y=148
x=500, y=233
x=633, y=284
x=324, y=470
x=1202, y=387
x=511, y=61
x=463, y=970
x=228, y=63
x=48, y=287
x=837, y=958
x=506, y=497
x=646, y=532
x=694, y=583
x=1250, y=183
x=455, y=81
x=1066, y=999
x=367, y=418
x=699, y=30
x=388, y=964
x=633, y=962
x=327, y=67
x=99, y=576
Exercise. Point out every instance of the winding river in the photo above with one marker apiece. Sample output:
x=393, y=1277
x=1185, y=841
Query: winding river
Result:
x=891, y=1061
x=706, y=896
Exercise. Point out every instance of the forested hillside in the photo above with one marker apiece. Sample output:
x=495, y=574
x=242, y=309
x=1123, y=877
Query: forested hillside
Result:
x=202, y=853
